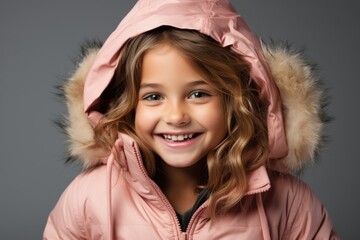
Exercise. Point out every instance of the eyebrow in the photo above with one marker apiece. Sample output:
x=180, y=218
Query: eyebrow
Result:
x=198, y=83
x=156, y=85
x=149, y=85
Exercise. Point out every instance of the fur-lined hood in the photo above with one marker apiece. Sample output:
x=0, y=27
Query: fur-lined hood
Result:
x=287, y=82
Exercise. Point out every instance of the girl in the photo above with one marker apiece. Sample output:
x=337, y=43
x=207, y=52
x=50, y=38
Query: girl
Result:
x=185, y=134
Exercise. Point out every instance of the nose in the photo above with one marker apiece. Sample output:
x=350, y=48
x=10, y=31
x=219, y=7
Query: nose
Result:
x=176, y=114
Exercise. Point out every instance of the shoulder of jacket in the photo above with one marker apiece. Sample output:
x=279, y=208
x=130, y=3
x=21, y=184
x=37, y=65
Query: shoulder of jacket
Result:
x=292, y=193
x=306, y=217
x=287, y=182
x=289, y=190
x=92, y=183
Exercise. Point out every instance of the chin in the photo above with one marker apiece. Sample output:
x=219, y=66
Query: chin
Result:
x=178, y=162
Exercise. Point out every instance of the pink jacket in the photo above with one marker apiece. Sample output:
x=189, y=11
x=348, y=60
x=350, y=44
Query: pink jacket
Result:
x=139, y=210
x=118, y=200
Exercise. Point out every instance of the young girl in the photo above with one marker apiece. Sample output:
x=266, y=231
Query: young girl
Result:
x=188, y=129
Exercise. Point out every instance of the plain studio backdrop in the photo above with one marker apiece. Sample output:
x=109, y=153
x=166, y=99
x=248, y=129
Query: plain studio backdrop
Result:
x=39, y=40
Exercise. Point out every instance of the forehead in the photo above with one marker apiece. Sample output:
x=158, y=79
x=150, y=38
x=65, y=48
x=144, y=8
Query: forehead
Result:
x=166, y=58
x=166, y=61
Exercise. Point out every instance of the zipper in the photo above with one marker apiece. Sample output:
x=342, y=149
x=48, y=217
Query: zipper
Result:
x=196, y=215
x=182, y=235
x=261, y=189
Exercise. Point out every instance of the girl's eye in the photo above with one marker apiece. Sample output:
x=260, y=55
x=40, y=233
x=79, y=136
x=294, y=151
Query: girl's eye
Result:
x=199, y=94
x=152, y=97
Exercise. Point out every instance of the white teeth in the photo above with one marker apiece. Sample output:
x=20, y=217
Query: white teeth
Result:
x=178, y=138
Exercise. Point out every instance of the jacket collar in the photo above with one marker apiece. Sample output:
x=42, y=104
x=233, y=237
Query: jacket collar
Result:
x=257, y=180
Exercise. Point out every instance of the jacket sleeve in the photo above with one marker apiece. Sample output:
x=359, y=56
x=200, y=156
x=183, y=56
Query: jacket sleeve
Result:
x=308, y=218
x=64, y=222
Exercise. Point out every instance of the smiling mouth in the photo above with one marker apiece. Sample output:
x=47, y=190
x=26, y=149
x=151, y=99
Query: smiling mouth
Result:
x=179, y=138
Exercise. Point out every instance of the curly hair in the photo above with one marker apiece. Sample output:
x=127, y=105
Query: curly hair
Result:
x=245, y=146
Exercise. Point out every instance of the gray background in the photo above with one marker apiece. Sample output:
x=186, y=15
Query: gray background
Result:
x=39, y=39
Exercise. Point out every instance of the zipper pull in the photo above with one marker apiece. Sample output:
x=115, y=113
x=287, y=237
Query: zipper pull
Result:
x=184, y=236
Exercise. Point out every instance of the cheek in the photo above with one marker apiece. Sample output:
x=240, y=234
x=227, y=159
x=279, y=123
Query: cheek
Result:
x=144, y=121
x=214, y=119
x=218, y=125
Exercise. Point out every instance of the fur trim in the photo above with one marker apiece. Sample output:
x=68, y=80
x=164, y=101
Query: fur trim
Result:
x=78, y=128
x=302, y=106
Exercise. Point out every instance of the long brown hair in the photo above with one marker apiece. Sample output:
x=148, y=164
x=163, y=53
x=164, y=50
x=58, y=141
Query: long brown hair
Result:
x=246, y=145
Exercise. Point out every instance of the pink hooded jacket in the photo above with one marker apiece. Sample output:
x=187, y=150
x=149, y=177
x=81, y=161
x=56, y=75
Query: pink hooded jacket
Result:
x=118, y=200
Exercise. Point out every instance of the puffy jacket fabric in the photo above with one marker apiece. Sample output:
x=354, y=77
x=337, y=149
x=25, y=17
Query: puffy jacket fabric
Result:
x=140, y=211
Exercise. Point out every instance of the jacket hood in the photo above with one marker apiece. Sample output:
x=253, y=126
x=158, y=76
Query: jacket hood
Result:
x=286, y=81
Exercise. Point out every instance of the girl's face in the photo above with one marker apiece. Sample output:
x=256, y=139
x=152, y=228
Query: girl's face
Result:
x=179, y=115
